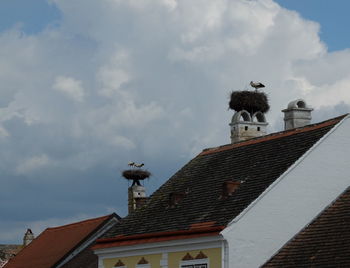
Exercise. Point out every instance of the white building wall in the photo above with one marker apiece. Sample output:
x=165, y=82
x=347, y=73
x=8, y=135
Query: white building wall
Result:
x=292, y=201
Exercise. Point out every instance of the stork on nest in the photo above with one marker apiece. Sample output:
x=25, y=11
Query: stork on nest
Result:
x=256, y=85
x=251, y=101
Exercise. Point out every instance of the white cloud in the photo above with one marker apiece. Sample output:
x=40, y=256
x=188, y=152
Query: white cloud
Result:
x=69, y=86
x=143, y=62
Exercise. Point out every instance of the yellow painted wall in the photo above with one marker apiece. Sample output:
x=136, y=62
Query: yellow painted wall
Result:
x=130, y=262
x=213, y=254
x=174, y=258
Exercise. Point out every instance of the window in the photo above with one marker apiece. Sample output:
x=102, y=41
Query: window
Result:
x=204, y=265
x=245, y=128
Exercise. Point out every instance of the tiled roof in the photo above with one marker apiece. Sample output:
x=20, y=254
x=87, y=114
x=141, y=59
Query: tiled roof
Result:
x=53, y=244
x=254, y=164
x=122, y=240
x=323, y=243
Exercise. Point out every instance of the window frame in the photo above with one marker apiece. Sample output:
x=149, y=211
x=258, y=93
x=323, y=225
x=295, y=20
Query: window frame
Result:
x=143, y=265
x=194, y=262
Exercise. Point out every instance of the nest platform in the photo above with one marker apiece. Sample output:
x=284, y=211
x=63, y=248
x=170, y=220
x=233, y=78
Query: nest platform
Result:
x=136, y=175
x=251, y=101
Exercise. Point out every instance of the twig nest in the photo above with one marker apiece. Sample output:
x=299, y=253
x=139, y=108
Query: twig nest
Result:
x=136, y=174
x=250, y=101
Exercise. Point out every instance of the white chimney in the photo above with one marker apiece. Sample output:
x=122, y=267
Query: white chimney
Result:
x=245, y=127
x=298, y=114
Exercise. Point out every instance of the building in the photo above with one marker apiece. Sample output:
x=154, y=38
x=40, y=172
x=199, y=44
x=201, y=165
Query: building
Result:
x=324, y=242
x=7, y=252
x=238, y=204
x=66, y=246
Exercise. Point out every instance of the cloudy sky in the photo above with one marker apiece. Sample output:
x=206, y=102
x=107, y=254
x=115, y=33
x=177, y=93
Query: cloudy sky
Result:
x=88, y=85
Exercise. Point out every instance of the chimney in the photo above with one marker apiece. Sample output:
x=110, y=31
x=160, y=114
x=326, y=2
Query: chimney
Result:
x=297, y=114
x=136, y=192
x=28, y=237
x=249, y=119
x=136, y=197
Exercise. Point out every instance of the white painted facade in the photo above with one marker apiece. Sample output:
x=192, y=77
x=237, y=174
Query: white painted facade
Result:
x=292, y=201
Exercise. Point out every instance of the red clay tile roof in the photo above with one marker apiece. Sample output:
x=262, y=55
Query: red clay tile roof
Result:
x=323, y=243
x=53, y=244
x=256, y=164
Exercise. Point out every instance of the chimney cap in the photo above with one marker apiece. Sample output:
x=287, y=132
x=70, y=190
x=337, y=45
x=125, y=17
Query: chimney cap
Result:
x=298, y=104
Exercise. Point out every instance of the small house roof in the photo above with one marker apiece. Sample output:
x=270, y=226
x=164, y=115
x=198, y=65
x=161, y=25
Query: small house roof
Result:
x=53, y=244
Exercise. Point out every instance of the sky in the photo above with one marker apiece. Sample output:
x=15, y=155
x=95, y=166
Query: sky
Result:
x=89, y=85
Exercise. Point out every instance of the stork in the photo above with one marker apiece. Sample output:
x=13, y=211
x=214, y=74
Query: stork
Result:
x=139, y=165
x=256, y=85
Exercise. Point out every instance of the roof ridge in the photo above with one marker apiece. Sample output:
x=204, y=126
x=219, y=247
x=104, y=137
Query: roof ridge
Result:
x=275, y=135
x=78, y=223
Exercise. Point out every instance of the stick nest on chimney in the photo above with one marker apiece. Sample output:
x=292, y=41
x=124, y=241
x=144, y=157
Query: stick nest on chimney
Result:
x=250, y=101
x=136, y=174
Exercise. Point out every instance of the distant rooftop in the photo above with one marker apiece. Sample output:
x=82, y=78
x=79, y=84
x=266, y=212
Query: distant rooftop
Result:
x=53, y=244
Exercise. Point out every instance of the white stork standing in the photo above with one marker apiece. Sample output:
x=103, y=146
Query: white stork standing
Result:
x=256, y=85
x=139, y=165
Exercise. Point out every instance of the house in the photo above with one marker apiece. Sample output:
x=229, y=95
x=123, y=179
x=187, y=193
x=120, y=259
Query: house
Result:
x=238, y=204
x=7, y=252
x=66, y=246
x=324, y=242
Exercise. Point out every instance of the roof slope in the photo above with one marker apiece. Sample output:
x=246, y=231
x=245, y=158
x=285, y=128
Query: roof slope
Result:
x=323, y=243
x=256, y=163
x=55, y=243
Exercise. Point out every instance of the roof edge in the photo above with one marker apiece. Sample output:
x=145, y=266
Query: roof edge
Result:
x=104, y=242
x=306, y=226
x=275, y=135
x=81, y=222
x=107, y=219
